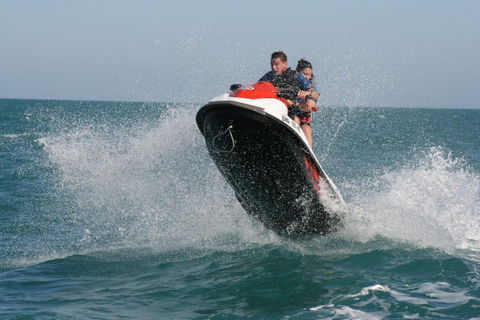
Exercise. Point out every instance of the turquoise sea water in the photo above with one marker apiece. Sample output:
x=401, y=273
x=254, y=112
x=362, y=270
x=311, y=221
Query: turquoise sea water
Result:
x=114, y=210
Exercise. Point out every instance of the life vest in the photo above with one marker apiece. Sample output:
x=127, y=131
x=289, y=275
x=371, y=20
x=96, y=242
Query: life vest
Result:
x=286, y=80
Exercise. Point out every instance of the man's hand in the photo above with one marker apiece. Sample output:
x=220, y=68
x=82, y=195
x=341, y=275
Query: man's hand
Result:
x=303, y=94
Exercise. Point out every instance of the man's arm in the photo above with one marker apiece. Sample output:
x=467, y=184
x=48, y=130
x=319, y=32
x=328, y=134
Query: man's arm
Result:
x=307, y=89
x=314, y=93
x=304, y=84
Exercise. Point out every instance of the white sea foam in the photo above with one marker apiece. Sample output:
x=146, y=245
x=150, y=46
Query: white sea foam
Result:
x=152, y=185
x=345, y=312
x=443, y=292
x=350, y=313
x=12, y=135
x=367, y=290
x=432, y=202
x=436, y=296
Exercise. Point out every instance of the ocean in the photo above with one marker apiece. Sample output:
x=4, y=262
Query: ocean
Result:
x=114, y=210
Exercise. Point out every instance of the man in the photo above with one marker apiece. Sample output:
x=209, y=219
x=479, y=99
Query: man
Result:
x=282, y=77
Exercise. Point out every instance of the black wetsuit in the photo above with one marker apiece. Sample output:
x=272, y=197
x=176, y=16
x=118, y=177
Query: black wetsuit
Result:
x=286, y=80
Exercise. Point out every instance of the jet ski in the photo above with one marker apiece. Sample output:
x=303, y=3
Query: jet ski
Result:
x=265, y=157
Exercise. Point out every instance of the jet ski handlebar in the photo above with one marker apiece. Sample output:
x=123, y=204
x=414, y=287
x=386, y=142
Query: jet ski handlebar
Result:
x=235, y=86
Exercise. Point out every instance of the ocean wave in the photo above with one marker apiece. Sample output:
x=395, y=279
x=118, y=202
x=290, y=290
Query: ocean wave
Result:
x=431, y=202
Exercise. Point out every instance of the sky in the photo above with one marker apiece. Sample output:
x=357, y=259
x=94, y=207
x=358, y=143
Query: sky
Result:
x=396, y=53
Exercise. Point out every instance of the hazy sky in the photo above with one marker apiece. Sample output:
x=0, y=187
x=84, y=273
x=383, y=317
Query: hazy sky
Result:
x=365, y=53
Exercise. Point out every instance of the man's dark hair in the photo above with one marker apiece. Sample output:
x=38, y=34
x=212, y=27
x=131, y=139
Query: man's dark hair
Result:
x=279, y=54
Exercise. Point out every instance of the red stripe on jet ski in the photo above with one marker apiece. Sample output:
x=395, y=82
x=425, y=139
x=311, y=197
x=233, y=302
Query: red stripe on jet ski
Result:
x=312, y=172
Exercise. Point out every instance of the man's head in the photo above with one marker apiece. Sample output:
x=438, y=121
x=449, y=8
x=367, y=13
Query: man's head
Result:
x=278, y=62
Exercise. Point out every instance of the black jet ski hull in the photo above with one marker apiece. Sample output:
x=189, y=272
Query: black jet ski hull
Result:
x=272, y=172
